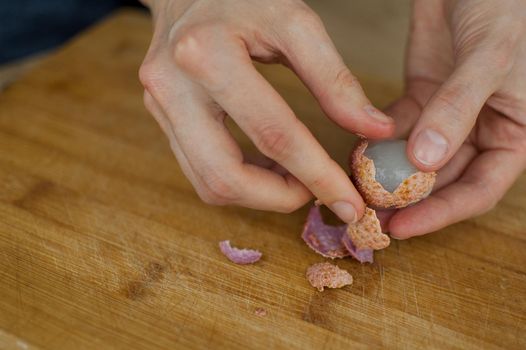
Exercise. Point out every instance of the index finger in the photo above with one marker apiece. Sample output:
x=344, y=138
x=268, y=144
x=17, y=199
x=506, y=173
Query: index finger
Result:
x=266, y=118
x=311, y=54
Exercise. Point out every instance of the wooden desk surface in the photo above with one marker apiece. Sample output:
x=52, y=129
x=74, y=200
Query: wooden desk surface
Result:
x=103, y=243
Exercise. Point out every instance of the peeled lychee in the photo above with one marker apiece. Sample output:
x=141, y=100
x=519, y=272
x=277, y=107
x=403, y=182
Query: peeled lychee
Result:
x=384, y=176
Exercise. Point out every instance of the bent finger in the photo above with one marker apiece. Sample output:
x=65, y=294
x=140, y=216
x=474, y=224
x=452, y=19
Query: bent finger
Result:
x=265, y=117
x=217, y=161
x=448, y=118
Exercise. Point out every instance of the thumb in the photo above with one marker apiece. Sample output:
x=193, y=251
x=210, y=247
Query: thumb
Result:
x=449, y=116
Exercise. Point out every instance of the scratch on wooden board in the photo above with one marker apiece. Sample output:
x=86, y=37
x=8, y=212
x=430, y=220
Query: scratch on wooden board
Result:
x=17, y=277
x=382, y=271
x=201, y=269
x=325, y=341
x=363, y=285
x=451, y=285
x=248, y=297
x=414, y=289
x=10, y=341
x=212, y=332
x=404, y=281
x=429, y=335
x=68, y=212
x=486, y=318
x=22, y=344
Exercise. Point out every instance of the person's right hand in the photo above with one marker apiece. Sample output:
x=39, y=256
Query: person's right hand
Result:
x=199, y=69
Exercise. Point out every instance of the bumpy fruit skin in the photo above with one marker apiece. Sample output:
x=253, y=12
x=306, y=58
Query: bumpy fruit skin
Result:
x=367, y=232
x=413, y=189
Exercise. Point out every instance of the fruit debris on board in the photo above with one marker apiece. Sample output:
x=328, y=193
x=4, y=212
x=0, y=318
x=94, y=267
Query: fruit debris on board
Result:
x=332, y=241
x=328, y=275
x=324, y=239
x=239, y=256
x=386, y=179
x=260, y=312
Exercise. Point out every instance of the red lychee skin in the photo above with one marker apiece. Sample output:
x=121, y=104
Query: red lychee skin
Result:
x=413, y=189
x=367, y=232
x=328, y=275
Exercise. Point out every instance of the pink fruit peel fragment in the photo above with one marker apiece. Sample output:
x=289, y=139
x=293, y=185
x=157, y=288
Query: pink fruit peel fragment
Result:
x=239, y=256
x=331, y=241
x=328, y=275
x=324, y=239
x=362, y=255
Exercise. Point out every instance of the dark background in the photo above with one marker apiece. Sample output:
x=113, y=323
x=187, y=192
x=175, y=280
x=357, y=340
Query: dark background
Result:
x=30, y=26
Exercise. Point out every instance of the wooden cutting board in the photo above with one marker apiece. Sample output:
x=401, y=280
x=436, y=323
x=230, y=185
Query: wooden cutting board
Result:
x=104, y=244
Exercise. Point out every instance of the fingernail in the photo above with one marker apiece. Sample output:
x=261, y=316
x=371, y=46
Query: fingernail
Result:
x=345, y=211
x=377, y=114
x=430, y=147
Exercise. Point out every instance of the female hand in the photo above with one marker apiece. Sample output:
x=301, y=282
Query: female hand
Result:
x=464, y=107
x=199, y=69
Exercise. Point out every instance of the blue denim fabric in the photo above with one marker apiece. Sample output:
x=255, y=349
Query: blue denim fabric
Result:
x=29, y=26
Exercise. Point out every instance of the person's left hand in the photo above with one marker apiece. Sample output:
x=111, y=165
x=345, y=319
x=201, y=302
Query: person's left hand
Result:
x=464, y=108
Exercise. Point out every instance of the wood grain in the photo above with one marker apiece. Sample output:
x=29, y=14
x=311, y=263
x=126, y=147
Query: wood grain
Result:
x=104, y=244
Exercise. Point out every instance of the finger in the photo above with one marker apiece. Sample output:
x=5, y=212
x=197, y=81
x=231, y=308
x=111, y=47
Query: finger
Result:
x=406, y=110
x=384, y=216
x=451, y=113
x=483, y=184
x=456, y=166
x=264, y=162
x=219, y=163
x=309, y=51
x=265, y=117
x=216, y=160
x=158, y=114
x=448, y=174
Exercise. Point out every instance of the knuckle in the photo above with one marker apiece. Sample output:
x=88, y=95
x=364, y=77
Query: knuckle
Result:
x=208, y=198
x=498, y=53
x=193, y=47
x=302, y=17
x=219, y=189
x=150, y=75
x=190, y=48
x=346, y=79
x=273, y=141
x=456, y=102
x=503, y=61
x=342, y=81
x=322, y=182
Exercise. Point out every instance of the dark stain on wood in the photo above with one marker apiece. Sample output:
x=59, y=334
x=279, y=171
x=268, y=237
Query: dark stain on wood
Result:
x=317, y=310
x=40, y=189
x=138, y=288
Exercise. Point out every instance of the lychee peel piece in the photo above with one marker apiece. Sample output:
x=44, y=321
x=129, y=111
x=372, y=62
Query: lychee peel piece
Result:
x=328, y=275
x=367, y=232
